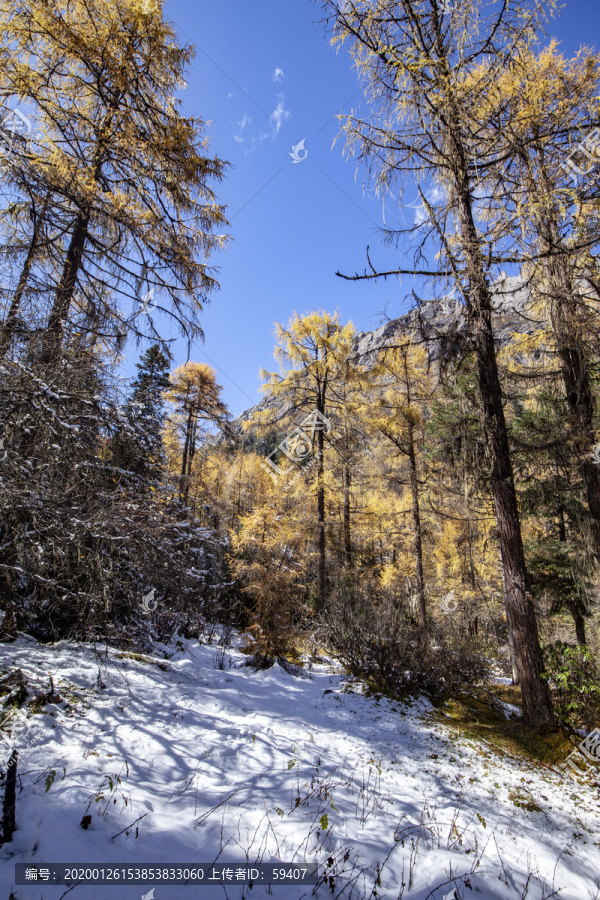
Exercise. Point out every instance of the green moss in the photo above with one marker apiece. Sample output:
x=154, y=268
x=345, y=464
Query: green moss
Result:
x=524, y=801
x=378, y=691
x=481, y=719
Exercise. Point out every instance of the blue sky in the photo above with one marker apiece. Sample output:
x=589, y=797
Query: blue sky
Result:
x=266, y=78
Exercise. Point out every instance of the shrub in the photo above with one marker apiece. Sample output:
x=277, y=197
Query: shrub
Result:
x=574, y=679
x=374, y=637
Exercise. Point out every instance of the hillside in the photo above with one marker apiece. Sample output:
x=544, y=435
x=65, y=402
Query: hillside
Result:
x=212, y=762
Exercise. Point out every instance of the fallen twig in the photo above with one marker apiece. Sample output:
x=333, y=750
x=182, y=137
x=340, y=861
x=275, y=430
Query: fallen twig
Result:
x=129, y=826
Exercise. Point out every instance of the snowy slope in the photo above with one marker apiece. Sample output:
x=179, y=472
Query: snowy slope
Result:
x=236, y=765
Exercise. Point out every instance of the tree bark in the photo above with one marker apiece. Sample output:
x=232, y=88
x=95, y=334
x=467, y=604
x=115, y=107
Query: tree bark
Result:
x=470, y=574
x=560, y=510
x=418, y=541
x=537, y=705
x=184, y=480
x=321, y=542
x=68, y=281
x=13, y=313
x=347, y=533
x=9, y=825
x=520, y=612
x=66, y=289
x=579, y=627
x=191, y=454
x=513, y=658
x=186, y=444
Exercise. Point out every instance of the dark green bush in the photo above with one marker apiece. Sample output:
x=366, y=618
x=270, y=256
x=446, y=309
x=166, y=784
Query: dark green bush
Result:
x=574, y=679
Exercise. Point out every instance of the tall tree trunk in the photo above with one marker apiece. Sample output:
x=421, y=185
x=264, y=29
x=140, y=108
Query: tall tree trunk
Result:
x=191, y=454
x=511, y=643
x=537, y=703
x=579, y=627
x=68, y=281
x=347, y=533
x=471, y=573
x=520, y=611
x=418, y=542
x=66, y=289
x=13, y=313
x=187, y=457
x=321, y=547
x=560, y=510
x=184, y=456
x=437, y=81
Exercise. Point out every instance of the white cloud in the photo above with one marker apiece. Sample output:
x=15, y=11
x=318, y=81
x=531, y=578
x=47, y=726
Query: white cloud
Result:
x=245, y=120
x=435, y=196
x=278, y=74
x=280, y=114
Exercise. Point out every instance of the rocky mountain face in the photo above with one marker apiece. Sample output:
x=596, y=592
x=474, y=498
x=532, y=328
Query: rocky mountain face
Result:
x=439, y=325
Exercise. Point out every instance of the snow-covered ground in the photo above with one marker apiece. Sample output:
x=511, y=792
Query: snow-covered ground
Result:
x=231, y=764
